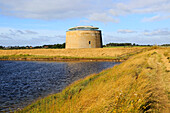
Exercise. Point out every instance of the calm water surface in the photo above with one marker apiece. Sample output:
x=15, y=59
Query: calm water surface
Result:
x=22, y=82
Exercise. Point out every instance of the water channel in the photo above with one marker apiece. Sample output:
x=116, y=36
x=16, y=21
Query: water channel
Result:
x=22, y=82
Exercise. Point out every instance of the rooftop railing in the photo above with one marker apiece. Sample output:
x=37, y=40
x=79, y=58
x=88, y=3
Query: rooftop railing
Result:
x=83, y=29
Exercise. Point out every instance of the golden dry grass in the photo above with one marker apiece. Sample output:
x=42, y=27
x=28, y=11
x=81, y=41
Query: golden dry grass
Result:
x=140, y=84
x=92, y=52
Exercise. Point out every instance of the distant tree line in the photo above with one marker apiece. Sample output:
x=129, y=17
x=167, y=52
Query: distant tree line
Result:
x=55, y=46
x=60, y=46
x=118, y=44
x=165, y=45
x=123, y=44
x=1, y=47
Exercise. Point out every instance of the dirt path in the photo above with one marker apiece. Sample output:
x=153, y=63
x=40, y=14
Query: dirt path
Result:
x=162, y=79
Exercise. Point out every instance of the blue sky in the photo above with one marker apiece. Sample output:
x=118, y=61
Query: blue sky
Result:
x=39, y=22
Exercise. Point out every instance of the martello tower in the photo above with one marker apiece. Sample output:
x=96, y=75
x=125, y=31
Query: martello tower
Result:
x=83, y=37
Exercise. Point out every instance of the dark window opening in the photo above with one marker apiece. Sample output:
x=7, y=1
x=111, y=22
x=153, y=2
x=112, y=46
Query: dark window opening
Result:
x=89, y=42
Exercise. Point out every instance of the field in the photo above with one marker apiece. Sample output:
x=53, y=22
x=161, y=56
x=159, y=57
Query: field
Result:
x=140, y=84
x=59, y=54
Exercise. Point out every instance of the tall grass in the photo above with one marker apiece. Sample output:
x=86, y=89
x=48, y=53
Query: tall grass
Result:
x=140, y=84
x=69, y=53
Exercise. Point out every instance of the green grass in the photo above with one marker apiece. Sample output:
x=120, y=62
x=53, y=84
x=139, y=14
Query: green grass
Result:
x=140, y=84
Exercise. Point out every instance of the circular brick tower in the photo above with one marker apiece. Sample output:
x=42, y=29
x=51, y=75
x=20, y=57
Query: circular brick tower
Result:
x=83, y=37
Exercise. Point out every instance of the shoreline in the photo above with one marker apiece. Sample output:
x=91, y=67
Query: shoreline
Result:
x=128, y=85
x=63, y=59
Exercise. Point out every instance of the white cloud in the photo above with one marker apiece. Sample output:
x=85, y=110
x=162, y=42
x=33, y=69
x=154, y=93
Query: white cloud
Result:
x=14, y=33
x=46, y=9
x=102, y=17
x=125, y=31
x=98, y=10
x=14, y=37
x=4, y=36
x=159, y=32
x=155, y=18
x=149, y=6
x=120, y=9
x=157, y=36
x=22, y=37
x=158, y=7
x=136, y=38
x=30, y=32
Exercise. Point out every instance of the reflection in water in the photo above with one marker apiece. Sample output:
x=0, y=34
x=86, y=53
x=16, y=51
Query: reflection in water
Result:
x=21, y=82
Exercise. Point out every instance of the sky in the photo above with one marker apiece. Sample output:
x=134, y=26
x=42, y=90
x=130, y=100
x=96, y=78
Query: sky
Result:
x=40, y=22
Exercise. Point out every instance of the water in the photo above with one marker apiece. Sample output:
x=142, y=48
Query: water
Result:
x=22, y=82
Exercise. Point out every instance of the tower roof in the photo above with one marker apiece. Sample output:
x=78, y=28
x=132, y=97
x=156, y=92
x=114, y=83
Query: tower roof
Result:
x=84, y=28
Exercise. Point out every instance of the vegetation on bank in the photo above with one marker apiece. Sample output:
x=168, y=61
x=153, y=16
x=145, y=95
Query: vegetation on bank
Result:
x=124, y=45
x=140, y=84
x=71, y=54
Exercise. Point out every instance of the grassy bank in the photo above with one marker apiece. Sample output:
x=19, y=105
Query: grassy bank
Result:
x=73, y=54
x=140, y=84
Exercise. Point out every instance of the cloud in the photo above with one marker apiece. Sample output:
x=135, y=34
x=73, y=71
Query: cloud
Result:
x=46, y=9
x=24, y=32
x=54, y=37
x=150, y=6
x=15, y=32
x=93, y=10
x=155, y=18
x=24, y=42
x=30, y=32
x=159, y=7
x=10, y=34
x=102, y=17
x=138, y=39
x=61, y=36
x=4, y=36
x=108, y=38
x=120, y=9
x=20, y=32
x=15, y=37
x=123, y=31
x=140, y=6
x=160, y=32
